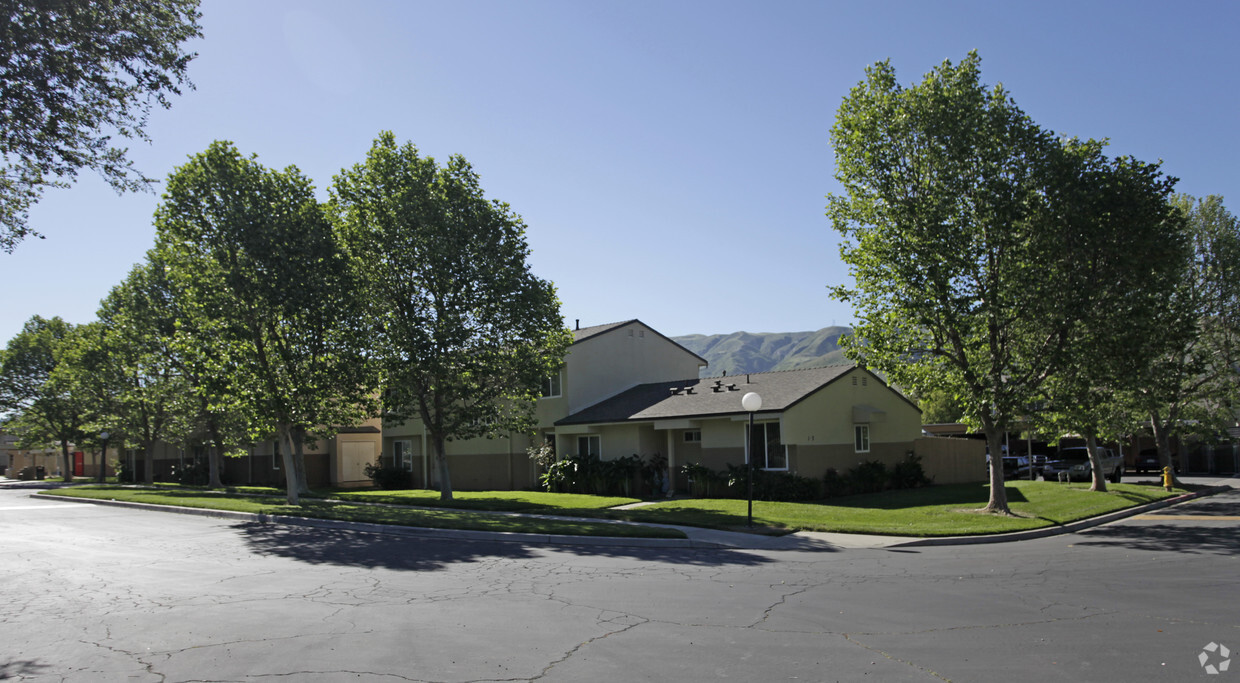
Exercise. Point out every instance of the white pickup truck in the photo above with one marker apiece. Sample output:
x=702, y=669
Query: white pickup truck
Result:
x=1073, y=462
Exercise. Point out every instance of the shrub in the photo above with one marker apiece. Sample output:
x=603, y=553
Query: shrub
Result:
x=835, y=484
x=703, y=481
x=389, y=478
x=868, y=477
x=654, y=476
x=908, y=474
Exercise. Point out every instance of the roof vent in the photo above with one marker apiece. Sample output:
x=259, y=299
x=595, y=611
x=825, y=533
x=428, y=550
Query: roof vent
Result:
x=716, y=388
x=676, y=391
x=689, y=390
x=732, y=387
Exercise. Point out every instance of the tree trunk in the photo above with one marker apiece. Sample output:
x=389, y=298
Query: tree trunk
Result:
x=1095, y=464
x=68, y=467
x=213, y=456
x=299, y=459
x=998, y=494
x=441, y=461
x=287, y=457
x=148, y=462
x=1162, y=437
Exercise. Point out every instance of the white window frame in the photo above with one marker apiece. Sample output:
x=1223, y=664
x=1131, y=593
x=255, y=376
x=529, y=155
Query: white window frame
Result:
x=553, y=386
x=693, y=436
x=402, y=454
x=766, y=453
x=861, y=438
x=590, y=437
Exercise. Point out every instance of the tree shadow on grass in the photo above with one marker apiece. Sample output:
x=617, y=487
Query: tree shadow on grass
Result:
x=975, y=495
x=420, y=550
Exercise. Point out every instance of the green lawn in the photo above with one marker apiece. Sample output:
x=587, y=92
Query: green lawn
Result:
x=355, y=512
x=948, y=510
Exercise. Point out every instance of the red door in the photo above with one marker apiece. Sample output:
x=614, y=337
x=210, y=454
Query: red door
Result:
x=79, y=464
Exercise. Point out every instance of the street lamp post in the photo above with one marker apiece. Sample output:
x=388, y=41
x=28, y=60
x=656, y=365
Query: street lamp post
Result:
x=103, y=456
x=752, y=403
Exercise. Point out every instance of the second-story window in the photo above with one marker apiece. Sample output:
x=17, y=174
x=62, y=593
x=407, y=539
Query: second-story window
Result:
x=551, y=385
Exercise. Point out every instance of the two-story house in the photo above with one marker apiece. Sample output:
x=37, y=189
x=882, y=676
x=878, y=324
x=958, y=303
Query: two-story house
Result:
x=626, y=389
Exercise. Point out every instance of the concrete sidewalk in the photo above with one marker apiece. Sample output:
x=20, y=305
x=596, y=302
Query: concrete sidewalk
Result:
x=696, y=537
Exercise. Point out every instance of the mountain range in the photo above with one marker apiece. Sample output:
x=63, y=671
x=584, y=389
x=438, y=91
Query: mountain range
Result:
x=741, y=352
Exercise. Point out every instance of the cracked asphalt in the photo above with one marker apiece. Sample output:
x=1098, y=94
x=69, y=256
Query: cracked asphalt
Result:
x=111, y=594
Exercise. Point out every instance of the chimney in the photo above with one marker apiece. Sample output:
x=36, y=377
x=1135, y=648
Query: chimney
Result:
x=579, y=323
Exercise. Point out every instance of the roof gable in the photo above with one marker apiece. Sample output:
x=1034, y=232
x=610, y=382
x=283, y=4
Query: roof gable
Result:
x=689, y=398
x=585, y=333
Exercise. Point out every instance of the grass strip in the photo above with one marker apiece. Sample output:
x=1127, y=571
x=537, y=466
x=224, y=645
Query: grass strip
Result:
x=946, y=510
x=374, y=514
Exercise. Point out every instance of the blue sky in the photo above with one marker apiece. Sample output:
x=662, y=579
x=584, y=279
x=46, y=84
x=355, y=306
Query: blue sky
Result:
x=670, y=158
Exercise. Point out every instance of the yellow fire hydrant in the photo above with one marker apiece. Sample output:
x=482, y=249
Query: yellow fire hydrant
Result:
x=1167, y=478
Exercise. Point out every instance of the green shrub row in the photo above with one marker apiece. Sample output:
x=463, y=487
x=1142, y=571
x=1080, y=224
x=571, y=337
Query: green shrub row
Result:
x=867, y=477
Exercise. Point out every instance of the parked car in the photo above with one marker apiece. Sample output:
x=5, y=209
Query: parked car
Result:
x=1074, y=461
x=1148, y=461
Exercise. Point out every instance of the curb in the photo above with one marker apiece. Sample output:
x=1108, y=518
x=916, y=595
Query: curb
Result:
x=1071, y=527
x=412, y=531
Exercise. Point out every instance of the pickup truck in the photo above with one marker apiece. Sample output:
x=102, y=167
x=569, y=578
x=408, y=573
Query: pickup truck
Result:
x=1074, y=461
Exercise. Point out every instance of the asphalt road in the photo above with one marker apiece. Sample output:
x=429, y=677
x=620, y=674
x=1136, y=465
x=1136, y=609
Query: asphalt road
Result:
x=110, y=594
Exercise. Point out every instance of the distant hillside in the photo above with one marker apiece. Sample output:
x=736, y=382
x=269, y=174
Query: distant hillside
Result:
x=742, y=352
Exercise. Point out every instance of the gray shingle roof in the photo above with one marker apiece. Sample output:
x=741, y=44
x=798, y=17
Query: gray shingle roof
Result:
x=657, y=401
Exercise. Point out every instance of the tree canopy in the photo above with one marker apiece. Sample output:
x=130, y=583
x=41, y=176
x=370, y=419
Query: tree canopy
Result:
x=252, y=259
x=966, y=227
x=466, y=333
x=74, y=74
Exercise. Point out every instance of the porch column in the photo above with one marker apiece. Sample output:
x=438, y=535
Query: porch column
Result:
x=671, y=463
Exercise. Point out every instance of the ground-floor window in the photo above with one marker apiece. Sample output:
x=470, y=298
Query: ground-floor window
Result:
x=275, y=454
x=589, y=445
x=769, y=453
x=861, y=438
x=402, y=455
x=693, y=436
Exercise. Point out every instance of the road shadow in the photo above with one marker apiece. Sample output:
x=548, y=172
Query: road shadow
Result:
x=21, y=668
x=412, y=552
x=1172, y=538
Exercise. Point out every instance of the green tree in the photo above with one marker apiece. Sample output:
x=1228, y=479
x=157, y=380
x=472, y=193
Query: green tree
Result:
x=1197, y=377
x=1132, y=248
x=39, y=402
x=127, y=365
x=960, y=217
x=269, y=298
x=73, y=74
x=465, y=331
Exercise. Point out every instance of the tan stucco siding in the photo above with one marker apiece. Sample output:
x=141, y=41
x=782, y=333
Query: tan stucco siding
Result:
x=603, y=366
x=814, y=461
x=548, y=410
x=827, y=417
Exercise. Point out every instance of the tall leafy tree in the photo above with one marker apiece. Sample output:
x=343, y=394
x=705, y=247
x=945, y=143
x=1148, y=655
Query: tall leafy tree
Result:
x=42, y=407
x=960, y=216
x=252, y=258
x=1197, y=377
x=465, y=331
x=126, y=364
x=74, y=74
x=1132, y=246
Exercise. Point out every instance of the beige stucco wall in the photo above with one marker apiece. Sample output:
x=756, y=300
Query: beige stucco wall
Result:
x=815, y=460
x=826, y=417
x=619, y=359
